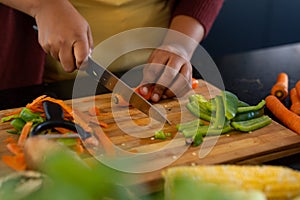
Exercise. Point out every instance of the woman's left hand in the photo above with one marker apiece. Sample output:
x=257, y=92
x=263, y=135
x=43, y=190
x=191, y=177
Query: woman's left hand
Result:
x=169, y=71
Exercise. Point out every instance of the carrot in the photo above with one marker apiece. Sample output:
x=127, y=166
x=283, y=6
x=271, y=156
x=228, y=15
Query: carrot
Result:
x=148, y=95
x=295, y=100
x=280, y=88
x=24, y=133
x=14, y=148
x=17, y=111
x=94, y=111
x=287, y=117
x=297, y=86
x=195, y=83
x=10, y=140
x=17, y=162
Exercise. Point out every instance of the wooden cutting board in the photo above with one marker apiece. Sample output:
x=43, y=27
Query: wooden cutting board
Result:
x=132, y=131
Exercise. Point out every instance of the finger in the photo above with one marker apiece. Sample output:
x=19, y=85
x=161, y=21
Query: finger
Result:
x=81, y=51
x=67, y=58
x=182, y=84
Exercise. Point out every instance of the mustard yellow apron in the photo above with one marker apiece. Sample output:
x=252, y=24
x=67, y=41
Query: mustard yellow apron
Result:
x=109, y=17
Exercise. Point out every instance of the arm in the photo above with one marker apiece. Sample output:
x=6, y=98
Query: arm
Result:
x=188, y=27
x=63, y=32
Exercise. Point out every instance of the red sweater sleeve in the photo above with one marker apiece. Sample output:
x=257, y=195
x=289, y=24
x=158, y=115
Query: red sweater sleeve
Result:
x=21, y=57
x=205, y=11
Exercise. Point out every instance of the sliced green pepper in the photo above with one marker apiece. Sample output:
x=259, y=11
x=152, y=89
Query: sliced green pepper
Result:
x=252, y=124
x=194, y=108
x=191, y=124
x=27, y=115
x=248, y=115
x=242, y=104
x=219, y=119
x=161, y=135
x=230, y=104
x=9, y=118
x=259, y=106
x=201, y=101
x=18, y=124
x=206, y=130
x=197, y=139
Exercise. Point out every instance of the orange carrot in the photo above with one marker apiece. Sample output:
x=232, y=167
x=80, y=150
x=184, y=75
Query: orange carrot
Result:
x=287, y=117
x=24, y=133
x=297, y=86
x=14, y=148
x=17, y=111
x=94, y=111
x=280, y=88
x=195, y=83
x=10, y=140
x=295, y=101
x=16, y=162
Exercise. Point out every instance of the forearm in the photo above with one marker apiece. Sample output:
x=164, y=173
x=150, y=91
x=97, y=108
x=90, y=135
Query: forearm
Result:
x=185, y=33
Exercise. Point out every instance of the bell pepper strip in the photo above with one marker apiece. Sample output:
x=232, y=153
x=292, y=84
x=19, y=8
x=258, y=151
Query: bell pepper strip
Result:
x=252, y=124
x=219, y=119
x=230, y=104
x=194, y=108
x=18, y=124
x=207, y=131
x=190, y=124
x=202, y=102
x=259, y=106
x=248, y=115
x=197, y=140
x=9, y=118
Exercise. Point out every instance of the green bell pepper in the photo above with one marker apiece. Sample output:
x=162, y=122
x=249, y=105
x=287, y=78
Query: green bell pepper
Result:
x=230, y=104
x=252, y=124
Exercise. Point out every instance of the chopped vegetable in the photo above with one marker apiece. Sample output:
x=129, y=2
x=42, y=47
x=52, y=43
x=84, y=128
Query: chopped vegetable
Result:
x=194, y=108
x=18, y=124
x=252, y=124
x=220, y=119
x=280, y=88
x=248, y=115
x=295, y=101
x=195, y=83
x=94, y=111
x=24, y=133
x=287, y=117
x=161, y=135
x=17, y=162
x=190, y=124
x=259, y=106
x=230, y=104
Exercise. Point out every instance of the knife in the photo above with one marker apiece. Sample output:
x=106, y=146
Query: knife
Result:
x=109, y=81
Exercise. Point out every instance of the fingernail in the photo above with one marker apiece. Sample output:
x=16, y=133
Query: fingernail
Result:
x=144, y=90
x=155, y=97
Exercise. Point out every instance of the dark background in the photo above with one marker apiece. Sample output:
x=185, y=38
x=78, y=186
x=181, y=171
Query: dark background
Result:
x=244, y=25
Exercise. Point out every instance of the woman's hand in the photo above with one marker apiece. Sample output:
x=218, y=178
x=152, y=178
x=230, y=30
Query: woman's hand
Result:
x=169, y=72
x=63, y=33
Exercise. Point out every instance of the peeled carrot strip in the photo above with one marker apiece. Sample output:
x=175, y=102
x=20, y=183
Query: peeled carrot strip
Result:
x=17, y=111
x=10, y=140
x=24, y=133
x=280, y=88
x=287, y=117
x=14, y=148
x=16, y=162
x=295, y=100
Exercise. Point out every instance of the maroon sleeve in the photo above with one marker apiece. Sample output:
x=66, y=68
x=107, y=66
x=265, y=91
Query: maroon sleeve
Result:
x=205, y=11
x=21, y=57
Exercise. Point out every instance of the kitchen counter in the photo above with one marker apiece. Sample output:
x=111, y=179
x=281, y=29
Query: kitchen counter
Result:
x=249, y=75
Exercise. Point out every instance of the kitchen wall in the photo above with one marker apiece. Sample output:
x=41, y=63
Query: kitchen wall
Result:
x=244, y=25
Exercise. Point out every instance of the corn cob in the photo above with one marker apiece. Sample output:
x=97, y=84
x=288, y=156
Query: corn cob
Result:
x=275, y=182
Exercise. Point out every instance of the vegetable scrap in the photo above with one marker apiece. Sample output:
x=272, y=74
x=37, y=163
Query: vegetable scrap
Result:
x=195, y=83
x=287, y=117
x=280, y=88
x=220, y=115
x=161, y=135
x=23, y=120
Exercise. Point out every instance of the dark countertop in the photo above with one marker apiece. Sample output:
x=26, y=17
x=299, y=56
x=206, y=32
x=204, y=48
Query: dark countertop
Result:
x=249, y=75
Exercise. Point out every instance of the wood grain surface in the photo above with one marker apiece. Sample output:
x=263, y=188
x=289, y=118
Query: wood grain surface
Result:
x=132, y=131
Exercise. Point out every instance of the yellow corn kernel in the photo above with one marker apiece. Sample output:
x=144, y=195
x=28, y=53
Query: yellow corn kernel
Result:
x=275, y=182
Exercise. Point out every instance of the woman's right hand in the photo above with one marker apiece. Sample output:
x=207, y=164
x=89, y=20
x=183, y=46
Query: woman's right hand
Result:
x=63, y=33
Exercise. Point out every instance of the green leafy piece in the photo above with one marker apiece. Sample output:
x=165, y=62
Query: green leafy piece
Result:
x=230, y=104
x=252, y=124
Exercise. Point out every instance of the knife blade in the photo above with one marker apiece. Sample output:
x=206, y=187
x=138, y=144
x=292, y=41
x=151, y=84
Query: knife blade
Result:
x=110, y=81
